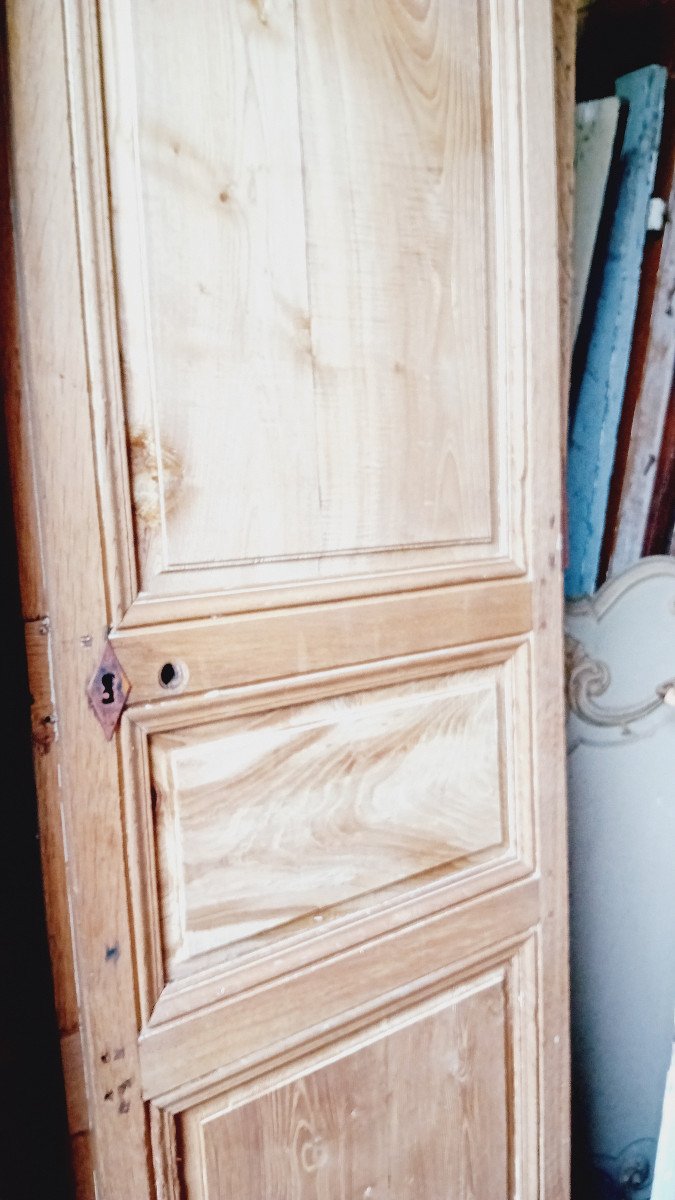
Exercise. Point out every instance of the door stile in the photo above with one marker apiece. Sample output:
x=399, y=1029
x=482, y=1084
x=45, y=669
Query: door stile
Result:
x=56, y=379
x=544, y=497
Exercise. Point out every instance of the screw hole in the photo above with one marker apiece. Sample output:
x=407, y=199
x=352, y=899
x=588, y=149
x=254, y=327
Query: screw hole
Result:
x=172, y=675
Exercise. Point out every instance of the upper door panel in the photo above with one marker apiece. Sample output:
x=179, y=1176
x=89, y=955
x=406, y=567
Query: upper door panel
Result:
x=318, y=261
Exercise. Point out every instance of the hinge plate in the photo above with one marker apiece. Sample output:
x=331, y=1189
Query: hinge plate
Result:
x=108, y=691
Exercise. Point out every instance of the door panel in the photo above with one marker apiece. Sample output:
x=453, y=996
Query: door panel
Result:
x=265, y=819
x=362, y=1121
x=268, y=818
x=303, y=475
x=324, y=377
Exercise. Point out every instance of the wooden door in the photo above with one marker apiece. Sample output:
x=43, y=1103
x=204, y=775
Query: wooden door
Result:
x=290, y=413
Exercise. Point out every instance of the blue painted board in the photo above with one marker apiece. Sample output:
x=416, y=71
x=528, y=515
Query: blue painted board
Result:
x=596, y=418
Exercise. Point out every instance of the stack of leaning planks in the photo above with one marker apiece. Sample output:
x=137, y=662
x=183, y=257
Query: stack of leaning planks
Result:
x=621, y=456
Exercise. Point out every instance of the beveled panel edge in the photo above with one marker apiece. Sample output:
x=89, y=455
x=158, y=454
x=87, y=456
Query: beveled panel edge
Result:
x=222, y=652
x=513, y=969
x=343, y=927
x=173, y=711
x=509, y=236
x=100, y=315
x=526, y=1058
x=502, y=212
x=177, y=1058
x=425, y=1002
x=514, y=972
x=505, y=554
x=148, y=609
x=387, y=908
x=165, y=1153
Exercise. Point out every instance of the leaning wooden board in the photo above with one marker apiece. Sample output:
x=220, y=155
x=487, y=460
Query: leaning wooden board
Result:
x=296, y=328
x=650, y=375
x=595, y=129
x=598, y=408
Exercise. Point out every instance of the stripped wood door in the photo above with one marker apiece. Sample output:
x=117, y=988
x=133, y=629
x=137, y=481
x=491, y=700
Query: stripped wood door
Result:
x=289, y=347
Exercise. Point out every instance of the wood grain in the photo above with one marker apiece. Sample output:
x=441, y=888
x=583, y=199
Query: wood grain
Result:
x=264, y=819
x=321, y=300
x=219, y=377
x=267, y=955
x=225, y=652
x=397, y=166
x=34, y=604
x=82, y=312
x=564, y=48
x=55, y=380
x=76, y=1093
x=366, y=1123
x=259, y=1027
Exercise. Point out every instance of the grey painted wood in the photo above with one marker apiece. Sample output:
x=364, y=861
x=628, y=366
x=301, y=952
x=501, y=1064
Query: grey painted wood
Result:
x=596, y=419
x=595, y=126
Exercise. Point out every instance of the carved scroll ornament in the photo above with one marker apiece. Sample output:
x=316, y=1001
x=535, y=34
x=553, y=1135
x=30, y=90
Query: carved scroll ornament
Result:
x=588, y=678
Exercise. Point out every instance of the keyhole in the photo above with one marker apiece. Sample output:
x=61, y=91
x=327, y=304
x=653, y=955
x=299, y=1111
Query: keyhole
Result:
x=107, y=682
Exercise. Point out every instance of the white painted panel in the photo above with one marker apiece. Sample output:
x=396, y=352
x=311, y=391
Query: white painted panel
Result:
x=622, y=863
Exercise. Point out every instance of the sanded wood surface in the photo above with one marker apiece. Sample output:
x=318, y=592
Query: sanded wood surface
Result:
x=264, y=819
x=323, y=378
x=56, y=391
x=243, y=649
x=203, y=1052
x=357, y=418
x=564, y=45
x=367, y=1124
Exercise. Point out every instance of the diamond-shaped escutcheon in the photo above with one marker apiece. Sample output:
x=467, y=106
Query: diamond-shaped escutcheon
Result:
x=108, y=691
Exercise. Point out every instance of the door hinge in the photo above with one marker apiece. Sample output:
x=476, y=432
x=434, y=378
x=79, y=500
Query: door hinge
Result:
x=44, y=728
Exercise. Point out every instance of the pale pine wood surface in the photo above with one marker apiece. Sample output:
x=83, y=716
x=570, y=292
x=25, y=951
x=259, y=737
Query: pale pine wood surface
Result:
x=224, y=652
x=34, y=604
x=55, y=385
x=367, y=1124
x=152, y=1051
x=322, y=379
x=263, y=819
x=564, y=46
x=547, y=435
x=355, y=918
x=255, y=1029
x=397, y=161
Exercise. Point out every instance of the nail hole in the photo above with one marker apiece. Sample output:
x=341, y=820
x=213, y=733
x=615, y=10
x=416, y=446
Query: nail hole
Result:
x=172, y=675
